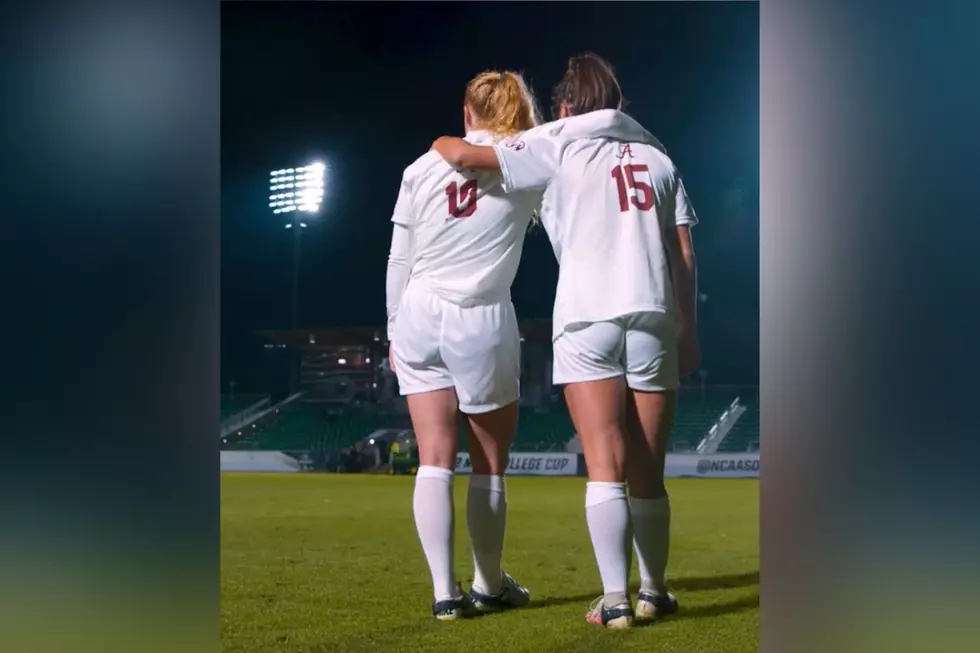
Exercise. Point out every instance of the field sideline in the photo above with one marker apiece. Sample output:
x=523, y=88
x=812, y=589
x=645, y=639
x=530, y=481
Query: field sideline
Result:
x=317, y=563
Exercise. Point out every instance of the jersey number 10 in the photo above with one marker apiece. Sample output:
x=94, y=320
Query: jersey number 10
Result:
x=642, y=195
x=462, y=199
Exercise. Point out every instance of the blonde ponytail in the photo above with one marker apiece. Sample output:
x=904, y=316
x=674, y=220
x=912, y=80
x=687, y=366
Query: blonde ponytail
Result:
x=502, y=102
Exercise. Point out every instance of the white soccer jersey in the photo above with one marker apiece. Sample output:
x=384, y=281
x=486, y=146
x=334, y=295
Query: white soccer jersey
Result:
x=611, y=190
x=467, y=235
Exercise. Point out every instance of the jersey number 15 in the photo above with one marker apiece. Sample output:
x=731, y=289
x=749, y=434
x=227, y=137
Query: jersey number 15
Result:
x=642, y=195
x=462, y=198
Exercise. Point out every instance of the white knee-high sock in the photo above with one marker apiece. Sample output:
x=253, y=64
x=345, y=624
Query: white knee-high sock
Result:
x=486, y=519
x=651, y=539
x=433, y=506
x=608, y=517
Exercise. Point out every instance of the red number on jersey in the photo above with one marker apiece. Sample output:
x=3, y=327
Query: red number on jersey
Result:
x=642, y=197
x=462, y=199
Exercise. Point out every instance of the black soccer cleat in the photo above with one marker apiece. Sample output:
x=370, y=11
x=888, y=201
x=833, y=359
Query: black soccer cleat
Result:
x=454, y=608
x=651, y=606
x=510, y=596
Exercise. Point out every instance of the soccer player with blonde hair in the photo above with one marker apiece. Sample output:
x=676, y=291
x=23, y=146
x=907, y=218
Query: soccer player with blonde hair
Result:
x=455, y=345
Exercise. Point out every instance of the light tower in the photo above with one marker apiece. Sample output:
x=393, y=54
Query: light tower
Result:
x=297, y=194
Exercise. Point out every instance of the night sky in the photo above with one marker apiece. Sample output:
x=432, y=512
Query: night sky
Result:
x=366, y=87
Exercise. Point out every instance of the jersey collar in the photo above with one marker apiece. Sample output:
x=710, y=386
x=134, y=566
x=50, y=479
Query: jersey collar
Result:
x=479, y=136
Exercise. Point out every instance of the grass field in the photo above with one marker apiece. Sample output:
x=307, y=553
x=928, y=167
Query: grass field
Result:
x=317, y=563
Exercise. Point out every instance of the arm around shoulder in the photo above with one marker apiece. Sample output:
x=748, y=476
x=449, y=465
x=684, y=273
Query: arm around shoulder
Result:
x=461, y=154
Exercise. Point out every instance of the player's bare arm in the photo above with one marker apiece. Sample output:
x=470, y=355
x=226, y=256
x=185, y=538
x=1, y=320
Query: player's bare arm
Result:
x=683, y=264
x=460, y=154
x=684, y=273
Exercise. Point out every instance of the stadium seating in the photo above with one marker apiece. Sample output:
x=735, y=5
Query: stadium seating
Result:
x=233, y=406
x=745, y=433
x=550, y=431
x=230, y=408
x=305, y=427
x=310, y=426
x=538, y=431
x=696, y=413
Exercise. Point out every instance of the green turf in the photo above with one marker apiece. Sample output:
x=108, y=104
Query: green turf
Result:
x=330, y=563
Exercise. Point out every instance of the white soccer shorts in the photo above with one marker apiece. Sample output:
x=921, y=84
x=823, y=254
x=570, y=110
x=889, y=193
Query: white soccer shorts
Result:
x=641, y=346
x=476, y=350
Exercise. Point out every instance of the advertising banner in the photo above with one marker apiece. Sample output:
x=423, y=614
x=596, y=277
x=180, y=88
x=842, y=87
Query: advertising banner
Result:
x=720, y=465
x=530, y=464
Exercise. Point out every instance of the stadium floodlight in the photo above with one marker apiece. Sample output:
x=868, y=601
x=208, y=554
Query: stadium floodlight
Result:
x=297, y=190
x=297, y=194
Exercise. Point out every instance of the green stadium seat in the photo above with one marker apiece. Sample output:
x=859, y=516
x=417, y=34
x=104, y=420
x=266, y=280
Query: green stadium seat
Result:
x=307, y=426
x=744, y=435
x=232, y=406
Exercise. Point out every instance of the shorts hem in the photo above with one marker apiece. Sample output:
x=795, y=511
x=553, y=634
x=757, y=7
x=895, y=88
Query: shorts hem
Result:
x=650, y=387
x=479, y=409
x=584, y=378
x=420, y=389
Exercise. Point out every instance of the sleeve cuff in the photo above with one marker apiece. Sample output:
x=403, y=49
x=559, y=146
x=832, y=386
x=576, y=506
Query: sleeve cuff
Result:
x=506, y=179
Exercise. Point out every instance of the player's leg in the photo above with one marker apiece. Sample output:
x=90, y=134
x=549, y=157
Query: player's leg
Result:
x=434, y=420
x=490, y=435
x=651, y=363
x=587, y=364
x=432, y=405
x=482, y=348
